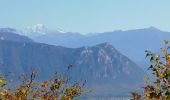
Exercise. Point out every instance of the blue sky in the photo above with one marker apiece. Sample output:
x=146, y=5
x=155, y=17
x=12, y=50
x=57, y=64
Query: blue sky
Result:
x=86, y=15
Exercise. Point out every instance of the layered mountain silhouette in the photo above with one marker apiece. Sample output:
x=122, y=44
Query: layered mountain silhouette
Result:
x=12, y=35
x=132, y=43
x=106, y=71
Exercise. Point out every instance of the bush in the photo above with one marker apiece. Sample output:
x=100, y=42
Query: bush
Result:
x=160, y=67
x=53, y=89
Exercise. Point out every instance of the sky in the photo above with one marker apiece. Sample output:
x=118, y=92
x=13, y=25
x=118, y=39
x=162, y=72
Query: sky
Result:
x=86, y=16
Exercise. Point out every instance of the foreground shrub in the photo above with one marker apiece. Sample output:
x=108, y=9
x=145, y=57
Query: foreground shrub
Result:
x=53, y=89
x=160, y=68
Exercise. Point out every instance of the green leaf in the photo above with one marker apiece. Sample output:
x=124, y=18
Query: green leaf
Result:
x=168, y=72
x=169, y=77
x=164, y=87
x=165, y=42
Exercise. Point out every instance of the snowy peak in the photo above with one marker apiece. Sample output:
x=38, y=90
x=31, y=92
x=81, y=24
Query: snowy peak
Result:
x=40, y=29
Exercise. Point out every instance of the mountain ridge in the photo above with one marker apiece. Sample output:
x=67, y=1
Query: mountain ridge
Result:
x=124, y=41
x=11, y=35
x=105, y=66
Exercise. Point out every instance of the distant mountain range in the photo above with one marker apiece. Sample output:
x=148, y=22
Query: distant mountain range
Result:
x=107, y=72
x=132, y=43
x=12, y=35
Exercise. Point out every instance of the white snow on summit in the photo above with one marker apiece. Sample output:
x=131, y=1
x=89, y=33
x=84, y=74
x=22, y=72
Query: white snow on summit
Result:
x=40, y=29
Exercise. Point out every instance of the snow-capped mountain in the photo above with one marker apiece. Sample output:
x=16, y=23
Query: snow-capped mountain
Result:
x=132, y=43
x=105, y=69
x=39, y=30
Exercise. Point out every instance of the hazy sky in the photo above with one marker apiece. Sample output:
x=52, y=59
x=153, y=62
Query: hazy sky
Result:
x=86, y=15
